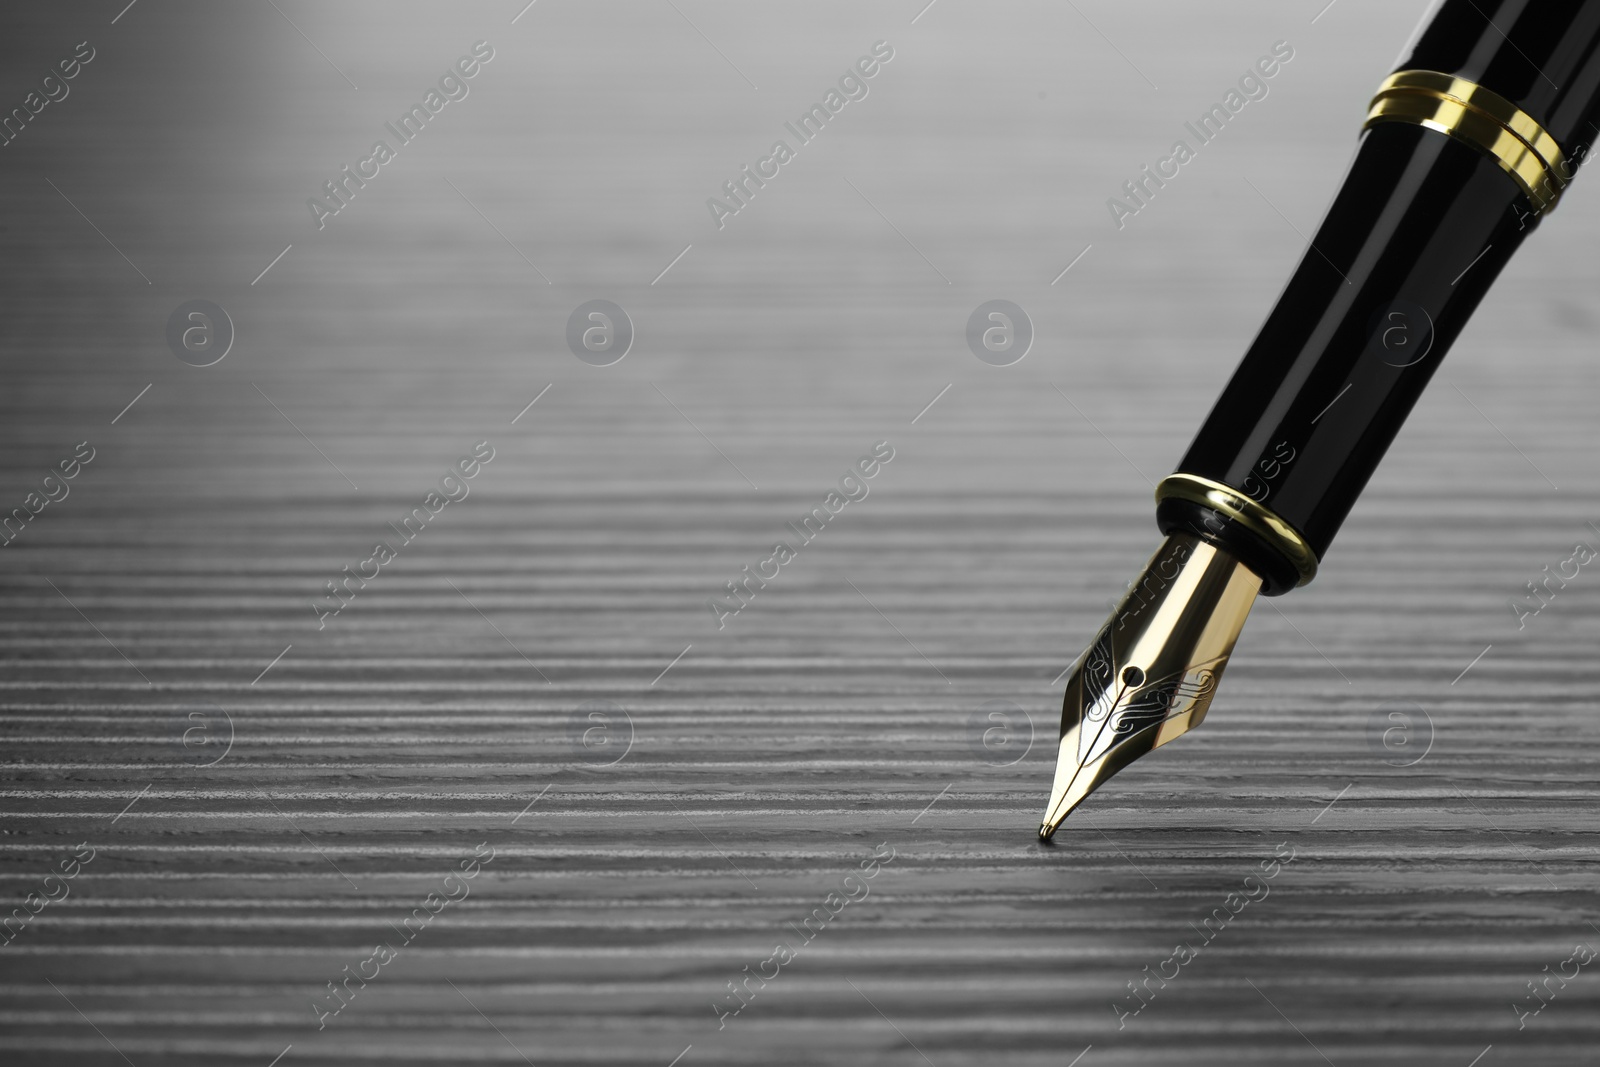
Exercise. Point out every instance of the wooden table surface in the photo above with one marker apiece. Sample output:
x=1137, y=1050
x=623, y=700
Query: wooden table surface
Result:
x=631, y=865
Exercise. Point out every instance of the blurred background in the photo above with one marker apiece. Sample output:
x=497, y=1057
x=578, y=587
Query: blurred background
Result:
x=539, y=671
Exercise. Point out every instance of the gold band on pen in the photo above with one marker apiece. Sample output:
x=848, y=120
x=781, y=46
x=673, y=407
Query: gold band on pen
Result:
x=1478, y=117
x=1256, y=518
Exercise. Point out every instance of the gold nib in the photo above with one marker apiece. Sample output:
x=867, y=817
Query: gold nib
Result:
x=1150, y=675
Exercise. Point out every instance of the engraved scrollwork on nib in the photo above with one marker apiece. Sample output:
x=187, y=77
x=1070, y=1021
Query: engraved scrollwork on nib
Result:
x=1147, y=707
x=1099, y=670
x=1152, y=671
x=1178, y=695
x=1140, y=706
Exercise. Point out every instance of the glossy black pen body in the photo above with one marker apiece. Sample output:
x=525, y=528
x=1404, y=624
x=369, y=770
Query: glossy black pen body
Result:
x=1467, y=146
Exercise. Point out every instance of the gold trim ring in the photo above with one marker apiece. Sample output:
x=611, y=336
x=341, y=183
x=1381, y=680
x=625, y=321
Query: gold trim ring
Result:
x=1254, y=517
x=1475, y=116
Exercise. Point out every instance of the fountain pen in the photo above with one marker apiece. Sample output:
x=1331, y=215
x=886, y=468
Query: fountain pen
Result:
x=1467, y=145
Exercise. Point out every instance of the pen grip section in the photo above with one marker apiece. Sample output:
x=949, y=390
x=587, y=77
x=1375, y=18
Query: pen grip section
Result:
x=1415, y=236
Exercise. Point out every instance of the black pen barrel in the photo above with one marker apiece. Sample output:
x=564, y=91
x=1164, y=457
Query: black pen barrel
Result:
x=1468, y=146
